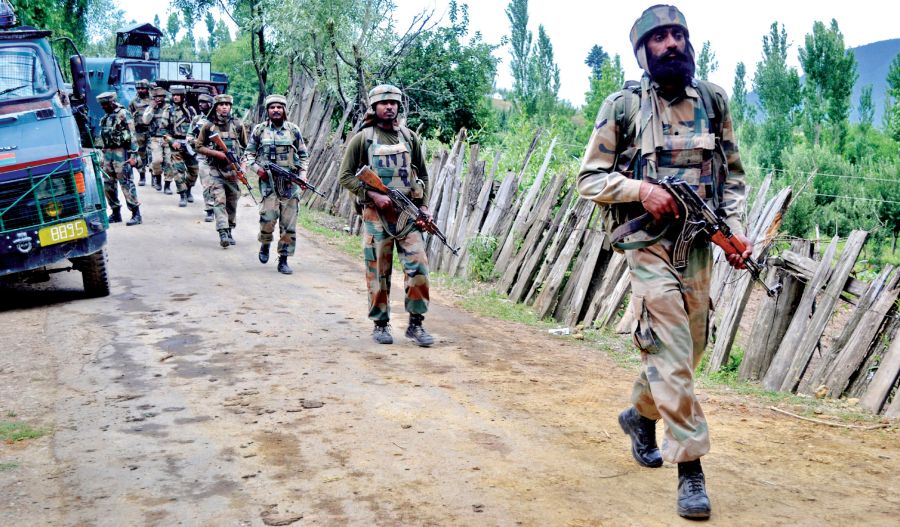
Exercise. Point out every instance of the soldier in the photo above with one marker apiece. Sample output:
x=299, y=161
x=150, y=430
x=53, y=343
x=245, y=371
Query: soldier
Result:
x=669, y=124
x=136, y=107
x=223, y=181
x=158, y=118
x=277, y=141
x=119, y=157
x=204, y=102
x=184, y=164
x=395, y=153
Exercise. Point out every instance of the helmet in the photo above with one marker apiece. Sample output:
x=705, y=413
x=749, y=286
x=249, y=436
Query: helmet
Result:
x=159, y=92
x=177, y=89
x=655, y=17
x=143, y=83
x=223, y=98
x=107, y=96
x=274, y=98
x=205, y=98
x=385, y=92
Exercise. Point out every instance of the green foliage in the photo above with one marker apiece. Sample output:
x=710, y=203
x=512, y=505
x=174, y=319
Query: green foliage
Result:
x=534, y=70
x=611, y=80
x=9, y=465
x=14, y=431
x=892, y=108
x=595, y=59
x=706, y=62
x=231, y=58
x=64, y=17
x=481, y=258
x=866, y=110
x=778, y=87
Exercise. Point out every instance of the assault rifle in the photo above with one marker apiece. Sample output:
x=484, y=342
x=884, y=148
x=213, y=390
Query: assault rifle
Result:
x=700, y=218
x=294, y=178
x=403, y=204
x=185, y=146
x=233, y=163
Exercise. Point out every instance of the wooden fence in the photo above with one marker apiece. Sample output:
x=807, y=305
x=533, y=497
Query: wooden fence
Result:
x=552, y=254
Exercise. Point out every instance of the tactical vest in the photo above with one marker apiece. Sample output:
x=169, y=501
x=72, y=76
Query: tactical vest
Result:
x=181, y=120
x=162, y=121
x=393, y=163
x=114, y=130
x=137, y=107
x=276, y=145
x=228, y=131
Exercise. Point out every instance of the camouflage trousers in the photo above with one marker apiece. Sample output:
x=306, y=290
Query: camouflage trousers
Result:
x=283, y=211
x=378, y=250
x=161, y=158
x=141, y=139
x=224, y=193
x=671, y=311
x=205, y=183
x=118, y=172
x=184, y=166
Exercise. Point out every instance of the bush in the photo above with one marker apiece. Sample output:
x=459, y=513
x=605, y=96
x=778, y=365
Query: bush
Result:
x=481, y=258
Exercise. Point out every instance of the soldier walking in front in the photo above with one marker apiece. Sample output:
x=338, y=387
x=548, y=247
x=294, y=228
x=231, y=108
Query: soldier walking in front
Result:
x=158, y=119
x=279, y=142
x=395, y=153
x=119, y=157
x=184, y=164
x=670, y=124
x=223, y=180
x=136, y=107
x=204, y=103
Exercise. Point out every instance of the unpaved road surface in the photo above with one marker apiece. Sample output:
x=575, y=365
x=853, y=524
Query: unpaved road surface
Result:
x=210, y=390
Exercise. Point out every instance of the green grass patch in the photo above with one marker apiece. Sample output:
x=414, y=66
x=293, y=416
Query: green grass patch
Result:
x=331, y=228
x=483, y=300
x=8, y=466
x=17, y=431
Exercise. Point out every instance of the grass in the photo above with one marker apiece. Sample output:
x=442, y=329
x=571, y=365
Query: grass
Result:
x=330, y=228
x=8, y=466
x=17, y=431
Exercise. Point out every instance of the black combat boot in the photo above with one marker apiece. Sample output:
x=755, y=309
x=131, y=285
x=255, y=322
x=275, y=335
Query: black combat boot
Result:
x=223, y=238
x=156, y=182
x=283, y=266
x=210, y=217
x=643, y=438
x=190, y=195
x=264, y=253
x=167, y=187
x=116, y=216
x=135, y=217
x=230, y=237
x=382, y=333
x=142, y=178
x=416, y=332
x=183, y=201
x=693, y=503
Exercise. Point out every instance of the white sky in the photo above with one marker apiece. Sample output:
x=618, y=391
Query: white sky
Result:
x=734, y=30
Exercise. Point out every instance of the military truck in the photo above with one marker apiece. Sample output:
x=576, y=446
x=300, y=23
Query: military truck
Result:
x=52, y=207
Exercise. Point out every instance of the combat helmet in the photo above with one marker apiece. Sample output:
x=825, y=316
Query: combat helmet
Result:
x=142, y=83
x=107, y=96
x=223, y=98
x=385, y=92
x=275, y=99
x=177, y=89
x=205, y=97
x=652, y=18
x=159, y=92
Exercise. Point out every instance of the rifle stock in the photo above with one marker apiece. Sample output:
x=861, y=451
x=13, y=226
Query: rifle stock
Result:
x=372, y=181
x=233, y=163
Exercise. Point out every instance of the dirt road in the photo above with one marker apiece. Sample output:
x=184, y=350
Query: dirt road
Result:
x=210, y=390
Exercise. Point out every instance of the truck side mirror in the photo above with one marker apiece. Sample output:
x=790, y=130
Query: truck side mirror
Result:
x=79, y=78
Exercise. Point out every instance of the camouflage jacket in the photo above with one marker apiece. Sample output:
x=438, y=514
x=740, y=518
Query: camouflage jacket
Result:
x=607, y=174
x=159, y=120
x=283, y=146
x=117, y=130
x=137, y=107
x=233, y=133
x=182, y=117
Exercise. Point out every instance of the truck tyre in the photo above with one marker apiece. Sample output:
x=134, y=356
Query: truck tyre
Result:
x=94, y=275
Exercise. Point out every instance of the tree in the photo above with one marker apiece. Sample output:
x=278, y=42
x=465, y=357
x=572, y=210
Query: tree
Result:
x=173, y=27
x=891, y=106
x=67, y=18
x=520, y=44
x=866, y=110
x=830, y=75
x=611, y=79
x=544, y=74
x=595, y=59
x=778, y=88
x=706, y=62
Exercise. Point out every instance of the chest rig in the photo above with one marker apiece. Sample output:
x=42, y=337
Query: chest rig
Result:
x=181, y=121
x=229, y=134
x=162, y=121
x=276, y=145
x=137, y=108
x=114, y=130
x=393, y=164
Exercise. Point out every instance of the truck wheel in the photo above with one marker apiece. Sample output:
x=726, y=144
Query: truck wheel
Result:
x=94, y=275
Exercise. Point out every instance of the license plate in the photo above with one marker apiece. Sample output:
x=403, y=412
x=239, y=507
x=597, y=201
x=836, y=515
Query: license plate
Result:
x=63, y=232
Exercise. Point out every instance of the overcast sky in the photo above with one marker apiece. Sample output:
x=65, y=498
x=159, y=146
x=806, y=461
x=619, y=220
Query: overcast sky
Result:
x=734, y=30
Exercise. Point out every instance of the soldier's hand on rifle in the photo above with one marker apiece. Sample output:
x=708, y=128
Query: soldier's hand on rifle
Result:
x=422, y=222
x=219, y=155
x=132, y=161
x=381, y=201
x=263, y=175
x=657, y=201
x=737, y=260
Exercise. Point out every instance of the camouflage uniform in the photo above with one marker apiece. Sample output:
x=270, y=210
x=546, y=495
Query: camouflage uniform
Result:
x=159, y=122
x=202, y=167
x=224, y=187
x=117, y=136
x=283, y=146
x=184, y=165
x=137, y=107
x=689, y=136
x=396, y=156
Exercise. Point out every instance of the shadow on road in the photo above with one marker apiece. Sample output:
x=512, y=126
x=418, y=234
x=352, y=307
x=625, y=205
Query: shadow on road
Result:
x=21, y=295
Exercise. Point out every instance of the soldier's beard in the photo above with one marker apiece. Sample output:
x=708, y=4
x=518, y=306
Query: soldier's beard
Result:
x=674, y=68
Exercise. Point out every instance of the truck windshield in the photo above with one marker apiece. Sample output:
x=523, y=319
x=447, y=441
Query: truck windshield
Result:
x=136, y=72
x=22, y=74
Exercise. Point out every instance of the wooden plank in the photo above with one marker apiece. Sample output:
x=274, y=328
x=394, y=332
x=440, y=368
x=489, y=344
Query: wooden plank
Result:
x=883, y=382
x=607, y=313
x=473, y=220
x=784, y=356
x=616, y=266
x=893, y=411
x=590, y=253
x=556, y=245
x=825, y=363
x=626, y=324
x=536, y=255
x=771, y=324
x=837, y=375
x=763, y=231
x=447, y=206
x=546, y=301
x=804, y=267
x=459, y=218
x=824, y=309
x=859, y=383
